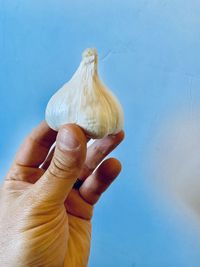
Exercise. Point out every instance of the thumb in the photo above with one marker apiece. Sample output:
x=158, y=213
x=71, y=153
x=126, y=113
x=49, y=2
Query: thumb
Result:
x=66, y=164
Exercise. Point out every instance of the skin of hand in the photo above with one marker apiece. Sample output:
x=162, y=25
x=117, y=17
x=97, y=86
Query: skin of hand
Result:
x=44, y=221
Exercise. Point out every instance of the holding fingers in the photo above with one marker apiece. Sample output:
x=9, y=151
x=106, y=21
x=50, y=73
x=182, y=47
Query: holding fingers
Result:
x=49, y=221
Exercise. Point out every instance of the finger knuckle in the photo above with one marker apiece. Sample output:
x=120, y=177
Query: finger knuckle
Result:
x=60, y=167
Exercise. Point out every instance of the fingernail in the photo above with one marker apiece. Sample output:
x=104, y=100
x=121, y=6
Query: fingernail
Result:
x=67, y=141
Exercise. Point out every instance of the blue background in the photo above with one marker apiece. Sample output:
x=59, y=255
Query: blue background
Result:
x=149, y=56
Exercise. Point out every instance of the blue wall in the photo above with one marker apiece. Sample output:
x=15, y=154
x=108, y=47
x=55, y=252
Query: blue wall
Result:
x=149, y=56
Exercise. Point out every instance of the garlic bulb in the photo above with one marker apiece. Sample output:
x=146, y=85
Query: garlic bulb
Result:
x=86, y=101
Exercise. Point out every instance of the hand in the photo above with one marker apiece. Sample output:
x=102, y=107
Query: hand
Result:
x=43, y=220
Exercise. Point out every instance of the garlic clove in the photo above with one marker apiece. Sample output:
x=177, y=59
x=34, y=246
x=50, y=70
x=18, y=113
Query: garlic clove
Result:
x=86, y=101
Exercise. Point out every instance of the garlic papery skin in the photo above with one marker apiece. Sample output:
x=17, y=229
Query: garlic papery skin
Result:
x=86, y=101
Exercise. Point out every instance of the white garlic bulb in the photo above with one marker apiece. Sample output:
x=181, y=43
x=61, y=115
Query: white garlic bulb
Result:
x=86, y=101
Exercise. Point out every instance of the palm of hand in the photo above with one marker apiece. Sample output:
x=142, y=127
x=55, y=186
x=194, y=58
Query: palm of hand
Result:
x=57, y=234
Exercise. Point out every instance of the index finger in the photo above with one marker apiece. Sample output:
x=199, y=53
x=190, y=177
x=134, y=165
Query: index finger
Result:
x=35, y=148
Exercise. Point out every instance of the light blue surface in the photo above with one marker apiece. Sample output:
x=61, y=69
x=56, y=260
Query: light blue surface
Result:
x=149, y=56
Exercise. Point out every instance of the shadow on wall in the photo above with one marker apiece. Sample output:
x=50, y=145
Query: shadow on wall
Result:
x=174, y=160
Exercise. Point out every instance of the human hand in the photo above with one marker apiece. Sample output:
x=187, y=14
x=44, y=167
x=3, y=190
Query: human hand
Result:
x=43, y=220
